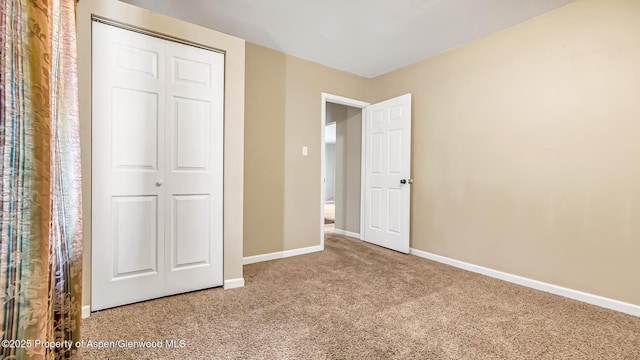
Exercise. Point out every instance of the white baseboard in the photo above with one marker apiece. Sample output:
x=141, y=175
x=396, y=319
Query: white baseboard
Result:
x=233, y=283
x=535, y=284
x=86, y=311
x=347, y=233
x=281, y=254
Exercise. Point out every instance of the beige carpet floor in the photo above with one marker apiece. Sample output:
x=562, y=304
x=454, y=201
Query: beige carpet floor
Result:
x=359, y=301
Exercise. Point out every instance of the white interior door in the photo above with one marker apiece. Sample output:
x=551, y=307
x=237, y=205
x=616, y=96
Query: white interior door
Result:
x=387, y=173
x=193, y=216
x=156, y=167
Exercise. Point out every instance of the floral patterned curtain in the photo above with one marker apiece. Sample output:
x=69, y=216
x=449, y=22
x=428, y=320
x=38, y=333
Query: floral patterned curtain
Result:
x=40, y=211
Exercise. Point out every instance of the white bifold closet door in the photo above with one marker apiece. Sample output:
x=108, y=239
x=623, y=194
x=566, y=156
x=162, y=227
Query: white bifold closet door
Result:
x=157, y=160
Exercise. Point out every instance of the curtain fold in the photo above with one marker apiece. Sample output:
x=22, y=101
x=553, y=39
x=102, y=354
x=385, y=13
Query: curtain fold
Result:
x=40, y=213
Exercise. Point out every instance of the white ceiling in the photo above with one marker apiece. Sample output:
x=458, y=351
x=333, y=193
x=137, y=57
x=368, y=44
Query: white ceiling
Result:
x=368, y=38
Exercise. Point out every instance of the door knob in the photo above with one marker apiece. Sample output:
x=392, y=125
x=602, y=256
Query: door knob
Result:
x=159, y=183
x=405, y=181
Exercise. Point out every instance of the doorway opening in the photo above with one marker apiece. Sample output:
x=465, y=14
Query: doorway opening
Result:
x=384, y=209
x=330, y=137
x=342, y=159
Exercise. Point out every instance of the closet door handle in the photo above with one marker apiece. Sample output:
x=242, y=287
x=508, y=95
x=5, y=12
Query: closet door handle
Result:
x=159, y=183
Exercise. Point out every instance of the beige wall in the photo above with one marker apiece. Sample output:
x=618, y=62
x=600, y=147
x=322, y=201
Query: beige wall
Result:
x=330, y=172
x=348, y=173
x=297, y=178
x=338, y=113
x=526, y=149
x=306, y=81
x=335, y=113
x=234, y=116
x=332, y=113
x=264, y=150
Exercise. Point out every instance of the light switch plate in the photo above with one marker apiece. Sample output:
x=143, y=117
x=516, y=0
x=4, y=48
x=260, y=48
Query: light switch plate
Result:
x=305, y=151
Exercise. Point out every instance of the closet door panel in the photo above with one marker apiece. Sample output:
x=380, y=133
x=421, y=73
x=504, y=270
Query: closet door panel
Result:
x=128, y=159
x=195, y=85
